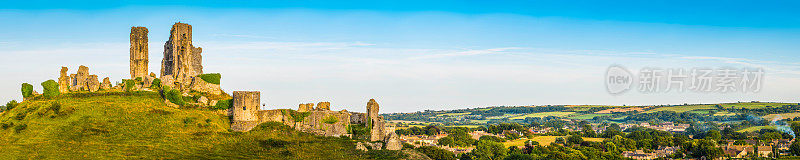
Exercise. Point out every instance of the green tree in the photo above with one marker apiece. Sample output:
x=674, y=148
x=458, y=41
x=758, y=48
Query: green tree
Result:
x=517, y=156
x=27, y=90
x=714, y=135
x=795, y=148
x=436, y=153
x=587, y=131
x=50, y=89
x=574, y=139
x=490, y=150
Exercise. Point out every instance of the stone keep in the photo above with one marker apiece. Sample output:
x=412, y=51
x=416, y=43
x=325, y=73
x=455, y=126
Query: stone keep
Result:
x=182, y=60
x=245, y=105
x=139, y=59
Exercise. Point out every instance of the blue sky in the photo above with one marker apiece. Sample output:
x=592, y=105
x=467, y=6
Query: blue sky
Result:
x=416, y=55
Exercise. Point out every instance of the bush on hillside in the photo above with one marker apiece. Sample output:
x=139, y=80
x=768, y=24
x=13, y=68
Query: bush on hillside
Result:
x=156, y=84
x=50, y=89
x=222, y=104
x=27, y=90
x=174, y=96
x=128, y=84
x=212, y=78
x=54, y=110
x=20, y=127
x=6, y=125
x=11, y=104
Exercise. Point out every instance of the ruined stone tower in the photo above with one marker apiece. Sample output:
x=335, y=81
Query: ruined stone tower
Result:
x=375, y=121
x=245, y=105
x=139, y=59
x=182, y=60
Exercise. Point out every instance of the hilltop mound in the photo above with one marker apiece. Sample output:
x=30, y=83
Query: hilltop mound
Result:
x=139, y=125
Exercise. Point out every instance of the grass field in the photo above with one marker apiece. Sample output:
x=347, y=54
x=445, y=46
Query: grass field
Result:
x=680, y=109
x=782, y=116
x=544, y=140
x=453, y=114
x=141, y=126
x=753, y=105
x=755, y=128
x=543, y=114
x=724, y=113
x=588, y=116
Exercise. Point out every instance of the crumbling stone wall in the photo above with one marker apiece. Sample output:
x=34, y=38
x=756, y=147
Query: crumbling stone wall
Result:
x=182, y=60
x=315, y=123
x=139, y=59
x=305, y=107
x=323, y=106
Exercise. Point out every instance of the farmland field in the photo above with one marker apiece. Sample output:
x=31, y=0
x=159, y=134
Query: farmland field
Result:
x=782, y=116
x=680, y=109
x=454, y=114
x=543, y=114
x=588, y=116
x=755, y=128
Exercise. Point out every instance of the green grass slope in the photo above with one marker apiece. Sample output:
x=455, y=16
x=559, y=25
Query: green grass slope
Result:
x=140, y=126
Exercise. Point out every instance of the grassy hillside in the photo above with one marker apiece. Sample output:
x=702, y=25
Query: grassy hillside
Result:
x=139, y=125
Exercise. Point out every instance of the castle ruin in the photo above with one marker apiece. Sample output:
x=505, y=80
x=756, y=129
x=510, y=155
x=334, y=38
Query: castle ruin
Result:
x=182, y=61
x=320, y=120
x=139, y=59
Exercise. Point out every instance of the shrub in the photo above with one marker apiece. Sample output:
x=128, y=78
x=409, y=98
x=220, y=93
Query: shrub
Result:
x=174, y=96
x=436, y=153
x=276, y=143
x=128, y=84
x=223, y=104
x=297, y=116
x=27, y=90
x=6, y=125
x=212, y=78
x=54, y=110
x=11, y=104
x=50, y=88
x=156, y=84
x=20, y=116
x=20, y=127
x=331, y=119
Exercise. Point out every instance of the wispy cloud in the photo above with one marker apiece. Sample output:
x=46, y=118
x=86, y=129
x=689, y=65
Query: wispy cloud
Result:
x=467, y=53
